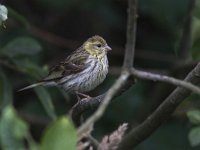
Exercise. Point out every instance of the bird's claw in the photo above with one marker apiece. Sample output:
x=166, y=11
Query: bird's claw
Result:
x=85, y=97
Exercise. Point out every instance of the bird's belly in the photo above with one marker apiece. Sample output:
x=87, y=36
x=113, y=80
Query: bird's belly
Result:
x=87, y=81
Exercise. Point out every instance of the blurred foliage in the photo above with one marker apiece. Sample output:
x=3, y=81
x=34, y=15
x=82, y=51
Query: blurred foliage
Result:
x=60, y=133
x=32, y=41
x=21, y=46
x=194, y=134
x=194, y=116
x=6, y=91
x=46, y=101
x=13, y=129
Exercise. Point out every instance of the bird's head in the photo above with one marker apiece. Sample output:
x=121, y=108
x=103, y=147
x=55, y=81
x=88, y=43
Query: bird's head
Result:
x=96, y=46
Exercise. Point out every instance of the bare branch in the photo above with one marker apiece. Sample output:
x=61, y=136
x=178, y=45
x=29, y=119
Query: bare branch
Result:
x=166, y=79
x=186, y=39
x=92, y=103
x=131, y=34
x=162, y=113
x=83, y=105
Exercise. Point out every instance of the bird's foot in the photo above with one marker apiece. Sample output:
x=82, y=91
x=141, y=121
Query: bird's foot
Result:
x=78, y=94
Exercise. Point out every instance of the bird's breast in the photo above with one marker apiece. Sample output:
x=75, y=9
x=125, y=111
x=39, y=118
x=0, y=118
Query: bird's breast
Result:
x=93, y=75
x=99, y=70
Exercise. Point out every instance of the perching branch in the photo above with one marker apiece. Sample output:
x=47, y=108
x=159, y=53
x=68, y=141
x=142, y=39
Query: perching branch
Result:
x=162, y=113
x=82, y=106
x=111, y=92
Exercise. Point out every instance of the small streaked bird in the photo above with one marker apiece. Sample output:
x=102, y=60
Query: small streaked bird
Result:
x=81, y=71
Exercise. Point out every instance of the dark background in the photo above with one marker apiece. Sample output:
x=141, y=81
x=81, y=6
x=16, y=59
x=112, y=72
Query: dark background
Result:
x=59, y=27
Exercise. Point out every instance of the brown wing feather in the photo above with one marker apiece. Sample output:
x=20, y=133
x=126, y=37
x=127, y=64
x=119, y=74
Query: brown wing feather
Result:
x=73, y=64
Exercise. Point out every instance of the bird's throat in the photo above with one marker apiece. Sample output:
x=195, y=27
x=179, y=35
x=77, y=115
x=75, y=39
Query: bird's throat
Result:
x=95, y=53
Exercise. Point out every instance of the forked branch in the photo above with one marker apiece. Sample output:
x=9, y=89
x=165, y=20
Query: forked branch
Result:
x=162, y=113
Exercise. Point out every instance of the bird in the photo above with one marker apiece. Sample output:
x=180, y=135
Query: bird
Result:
x=82, y=71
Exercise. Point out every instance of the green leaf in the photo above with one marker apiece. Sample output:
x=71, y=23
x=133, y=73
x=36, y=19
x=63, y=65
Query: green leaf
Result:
x=6, y=94
x=61, y=135
x=194, y=136
x=21, y=46
x=13, y=130
x=3, y=14
x=46, y=101
x=194, y=116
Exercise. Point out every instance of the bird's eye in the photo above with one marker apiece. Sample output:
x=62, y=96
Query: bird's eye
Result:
x=99, y=45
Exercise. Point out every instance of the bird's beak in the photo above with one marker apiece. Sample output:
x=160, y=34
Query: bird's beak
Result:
x=108, y=48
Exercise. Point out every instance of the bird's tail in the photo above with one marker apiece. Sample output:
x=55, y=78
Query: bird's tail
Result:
x=31, y=86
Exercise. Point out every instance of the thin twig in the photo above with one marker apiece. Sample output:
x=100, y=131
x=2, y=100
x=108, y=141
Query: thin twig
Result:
x=94, y=142
x=115, y=70
x=161, y=114
x=166, y=79
x=131, y=33
x=186, y=39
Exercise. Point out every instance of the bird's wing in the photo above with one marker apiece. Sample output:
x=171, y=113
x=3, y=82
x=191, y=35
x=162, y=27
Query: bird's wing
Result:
x=70, y=66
